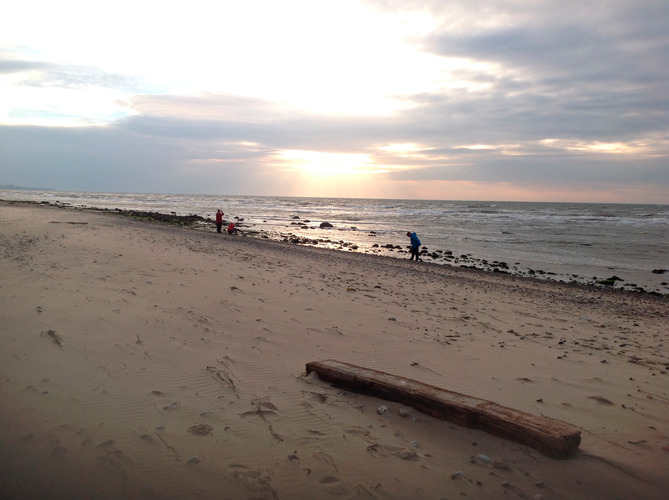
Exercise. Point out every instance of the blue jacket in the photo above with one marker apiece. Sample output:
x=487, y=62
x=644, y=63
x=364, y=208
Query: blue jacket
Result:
x=415, y=242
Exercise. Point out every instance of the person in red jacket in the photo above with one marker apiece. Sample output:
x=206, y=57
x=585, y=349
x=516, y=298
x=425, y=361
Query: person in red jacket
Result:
x=219, y=221
x=232, y=229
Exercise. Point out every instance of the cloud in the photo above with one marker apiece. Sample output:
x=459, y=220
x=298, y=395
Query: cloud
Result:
x=45, y=74
x=172, y=143
x=539, y=96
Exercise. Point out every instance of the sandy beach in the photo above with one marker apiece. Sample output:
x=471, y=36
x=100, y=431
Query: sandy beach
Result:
x=142, y=360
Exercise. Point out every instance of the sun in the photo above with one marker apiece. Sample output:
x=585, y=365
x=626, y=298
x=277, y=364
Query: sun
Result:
x=327, y=174
x=322, y=164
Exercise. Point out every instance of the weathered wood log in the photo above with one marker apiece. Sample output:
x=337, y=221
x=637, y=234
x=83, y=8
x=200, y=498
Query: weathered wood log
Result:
x=553, y=438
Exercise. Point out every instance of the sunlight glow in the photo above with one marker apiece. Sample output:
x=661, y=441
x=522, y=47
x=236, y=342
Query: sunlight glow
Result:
x=408, y=149
x=476, y=147
x=601, y=147
x=319, y=164
x=633, y=147
x=503, y=149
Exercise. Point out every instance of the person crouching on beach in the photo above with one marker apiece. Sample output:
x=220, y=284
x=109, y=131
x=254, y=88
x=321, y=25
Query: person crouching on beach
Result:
x=415, y=245
x=219, y=221
x=232, y=229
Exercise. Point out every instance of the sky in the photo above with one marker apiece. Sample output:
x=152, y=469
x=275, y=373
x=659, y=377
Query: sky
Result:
x=527, y=100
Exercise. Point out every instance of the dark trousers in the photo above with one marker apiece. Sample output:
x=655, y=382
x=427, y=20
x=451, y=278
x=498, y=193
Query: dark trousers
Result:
x=219, y=225
x=414, y=253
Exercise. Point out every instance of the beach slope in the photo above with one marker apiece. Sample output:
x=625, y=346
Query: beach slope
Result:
x=141, y=360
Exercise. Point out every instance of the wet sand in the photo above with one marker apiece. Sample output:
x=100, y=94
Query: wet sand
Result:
x=141, y=360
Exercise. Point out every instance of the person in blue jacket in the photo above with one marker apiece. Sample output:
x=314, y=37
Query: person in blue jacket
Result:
x=415, y=246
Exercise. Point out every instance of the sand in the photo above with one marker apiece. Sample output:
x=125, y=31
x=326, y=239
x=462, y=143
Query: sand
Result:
x=141, y=360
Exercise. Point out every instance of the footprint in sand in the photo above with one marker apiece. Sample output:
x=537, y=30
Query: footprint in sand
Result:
x=329, y=480
x=326, y=458
x=147, y=438
x=376, y=451
x=58, y=451
x=201, y=429
x=26, y=438
x=57, y=339
x=333, y=485
x=601, y=400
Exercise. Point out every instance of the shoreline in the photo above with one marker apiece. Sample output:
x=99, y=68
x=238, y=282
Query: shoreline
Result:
x=142, y=360
x=438, y=257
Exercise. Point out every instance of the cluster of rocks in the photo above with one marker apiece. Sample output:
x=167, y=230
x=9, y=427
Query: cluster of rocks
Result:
x=304, y=224
x=447, y=257
x=464, y=260
x=191, y=220
x=325, y=242
x=172, y=218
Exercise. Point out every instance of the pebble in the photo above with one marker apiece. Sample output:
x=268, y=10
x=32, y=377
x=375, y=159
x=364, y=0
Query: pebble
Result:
x=483, y=458
x=403, y=412
x=382, y=409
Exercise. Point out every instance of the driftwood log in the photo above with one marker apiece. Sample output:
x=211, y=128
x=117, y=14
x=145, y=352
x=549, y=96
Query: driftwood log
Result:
x=551, y=437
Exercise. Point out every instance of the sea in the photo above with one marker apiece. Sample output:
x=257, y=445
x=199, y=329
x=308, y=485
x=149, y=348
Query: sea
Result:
x=620, y=245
